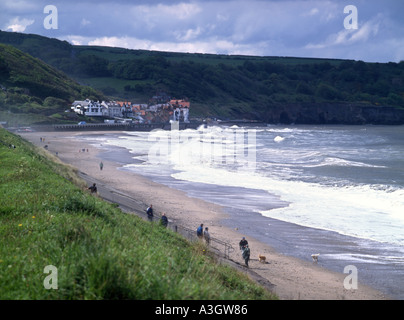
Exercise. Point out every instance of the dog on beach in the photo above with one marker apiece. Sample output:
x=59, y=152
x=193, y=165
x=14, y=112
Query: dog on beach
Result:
x=315, y=257
x=262, y=258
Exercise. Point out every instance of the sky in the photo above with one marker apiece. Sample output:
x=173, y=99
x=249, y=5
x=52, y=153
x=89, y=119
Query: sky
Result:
x=367, y=30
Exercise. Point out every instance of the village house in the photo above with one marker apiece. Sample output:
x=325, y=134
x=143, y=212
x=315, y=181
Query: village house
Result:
x=112, y=109
x=126, y=108
x=94, y=109
x=176, y=110
x=157, y=107
x=139, y=111
x=80, y=106
x=180, y=110
x=180, y=103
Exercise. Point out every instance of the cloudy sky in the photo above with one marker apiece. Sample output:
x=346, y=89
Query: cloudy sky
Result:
x=299, y=28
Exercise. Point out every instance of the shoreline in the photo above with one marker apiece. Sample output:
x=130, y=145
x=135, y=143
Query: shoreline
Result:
x=292, y=278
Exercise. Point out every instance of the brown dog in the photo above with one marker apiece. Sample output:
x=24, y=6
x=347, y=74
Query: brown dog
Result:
x=262, y=258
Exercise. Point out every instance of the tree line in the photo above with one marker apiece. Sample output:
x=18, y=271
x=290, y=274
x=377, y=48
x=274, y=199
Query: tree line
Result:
x=348, y=81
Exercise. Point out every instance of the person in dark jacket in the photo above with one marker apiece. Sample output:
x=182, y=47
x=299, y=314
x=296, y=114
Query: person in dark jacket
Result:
x=206, y=235
x=246, y=254
x=199, y=231
x=243, y=243
x=93, y=188
x=164, y=220
x=149, y=212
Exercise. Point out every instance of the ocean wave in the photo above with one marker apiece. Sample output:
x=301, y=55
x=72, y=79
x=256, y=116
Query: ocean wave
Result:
x=279, y=139
x=284, y=130
x=339, y=162
x=375, y=259
x=321, y=198
x=360, y=211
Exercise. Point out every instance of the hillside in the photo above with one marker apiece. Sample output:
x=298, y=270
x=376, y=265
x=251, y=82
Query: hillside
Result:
x=99, y=251
x=30, y=86
x=227, y=86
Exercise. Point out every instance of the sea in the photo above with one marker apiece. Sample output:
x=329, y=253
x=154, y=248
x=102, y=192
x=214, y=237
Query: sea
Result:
x=337, y=191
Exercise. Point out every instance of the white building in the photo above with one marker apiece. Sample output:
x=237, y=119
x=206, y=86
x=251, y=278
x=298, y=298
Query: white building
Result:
x=126, y=110
x=112, y=109
x=79, y=106
x=181, y=114
x=87, y=107
x=94, y=109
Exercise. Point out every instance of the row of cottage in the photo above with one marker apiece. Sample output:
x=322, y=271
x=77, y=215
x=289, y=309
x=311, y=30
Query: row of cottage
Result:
x=177, y=110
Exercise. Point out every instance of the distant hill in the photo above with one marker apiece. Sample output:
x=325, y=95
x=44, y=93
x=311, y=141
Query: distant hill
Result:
x=272, y=89
x=30, y=86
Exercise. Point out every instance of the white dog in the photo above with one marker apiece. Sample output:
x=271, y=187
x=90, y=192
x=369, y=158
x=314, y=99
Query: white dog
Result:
x=315, y=257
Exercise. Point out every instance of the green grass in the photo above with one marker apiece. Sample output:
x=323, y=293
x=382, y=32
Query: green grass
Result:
x=48, y=218
x=36, y=89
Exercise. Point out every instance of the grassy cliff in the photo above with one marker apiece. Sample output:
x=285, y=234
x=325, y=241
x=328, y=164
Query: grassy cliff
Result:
x=48, y=218
x=32, y=87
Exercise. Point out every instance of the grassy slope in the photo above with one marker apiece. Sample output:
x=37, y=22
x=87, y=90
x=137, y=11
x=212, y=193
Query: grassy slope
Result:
x=35, y=75
x=100, y=252
x=34, y=87
x=23, y=70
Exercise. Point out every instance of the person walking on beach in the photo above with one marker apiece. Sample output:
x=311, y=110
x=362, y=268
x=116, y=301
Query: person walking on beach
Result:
x=164, y=220
x=149, y=212
x=245, y=250
x=246, y=254
x=206, y=235
x=243, y=243
x=93, y=188
x=199, y=231
x=101, y=165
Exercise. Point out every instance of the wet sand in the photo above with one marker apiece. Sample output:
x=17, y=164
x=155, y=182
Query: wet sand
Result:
x=292, y=278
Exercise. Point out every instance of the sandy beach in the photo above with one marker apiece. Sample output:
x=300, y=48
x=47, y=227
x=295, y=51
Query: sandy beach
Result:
x=292, y=278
